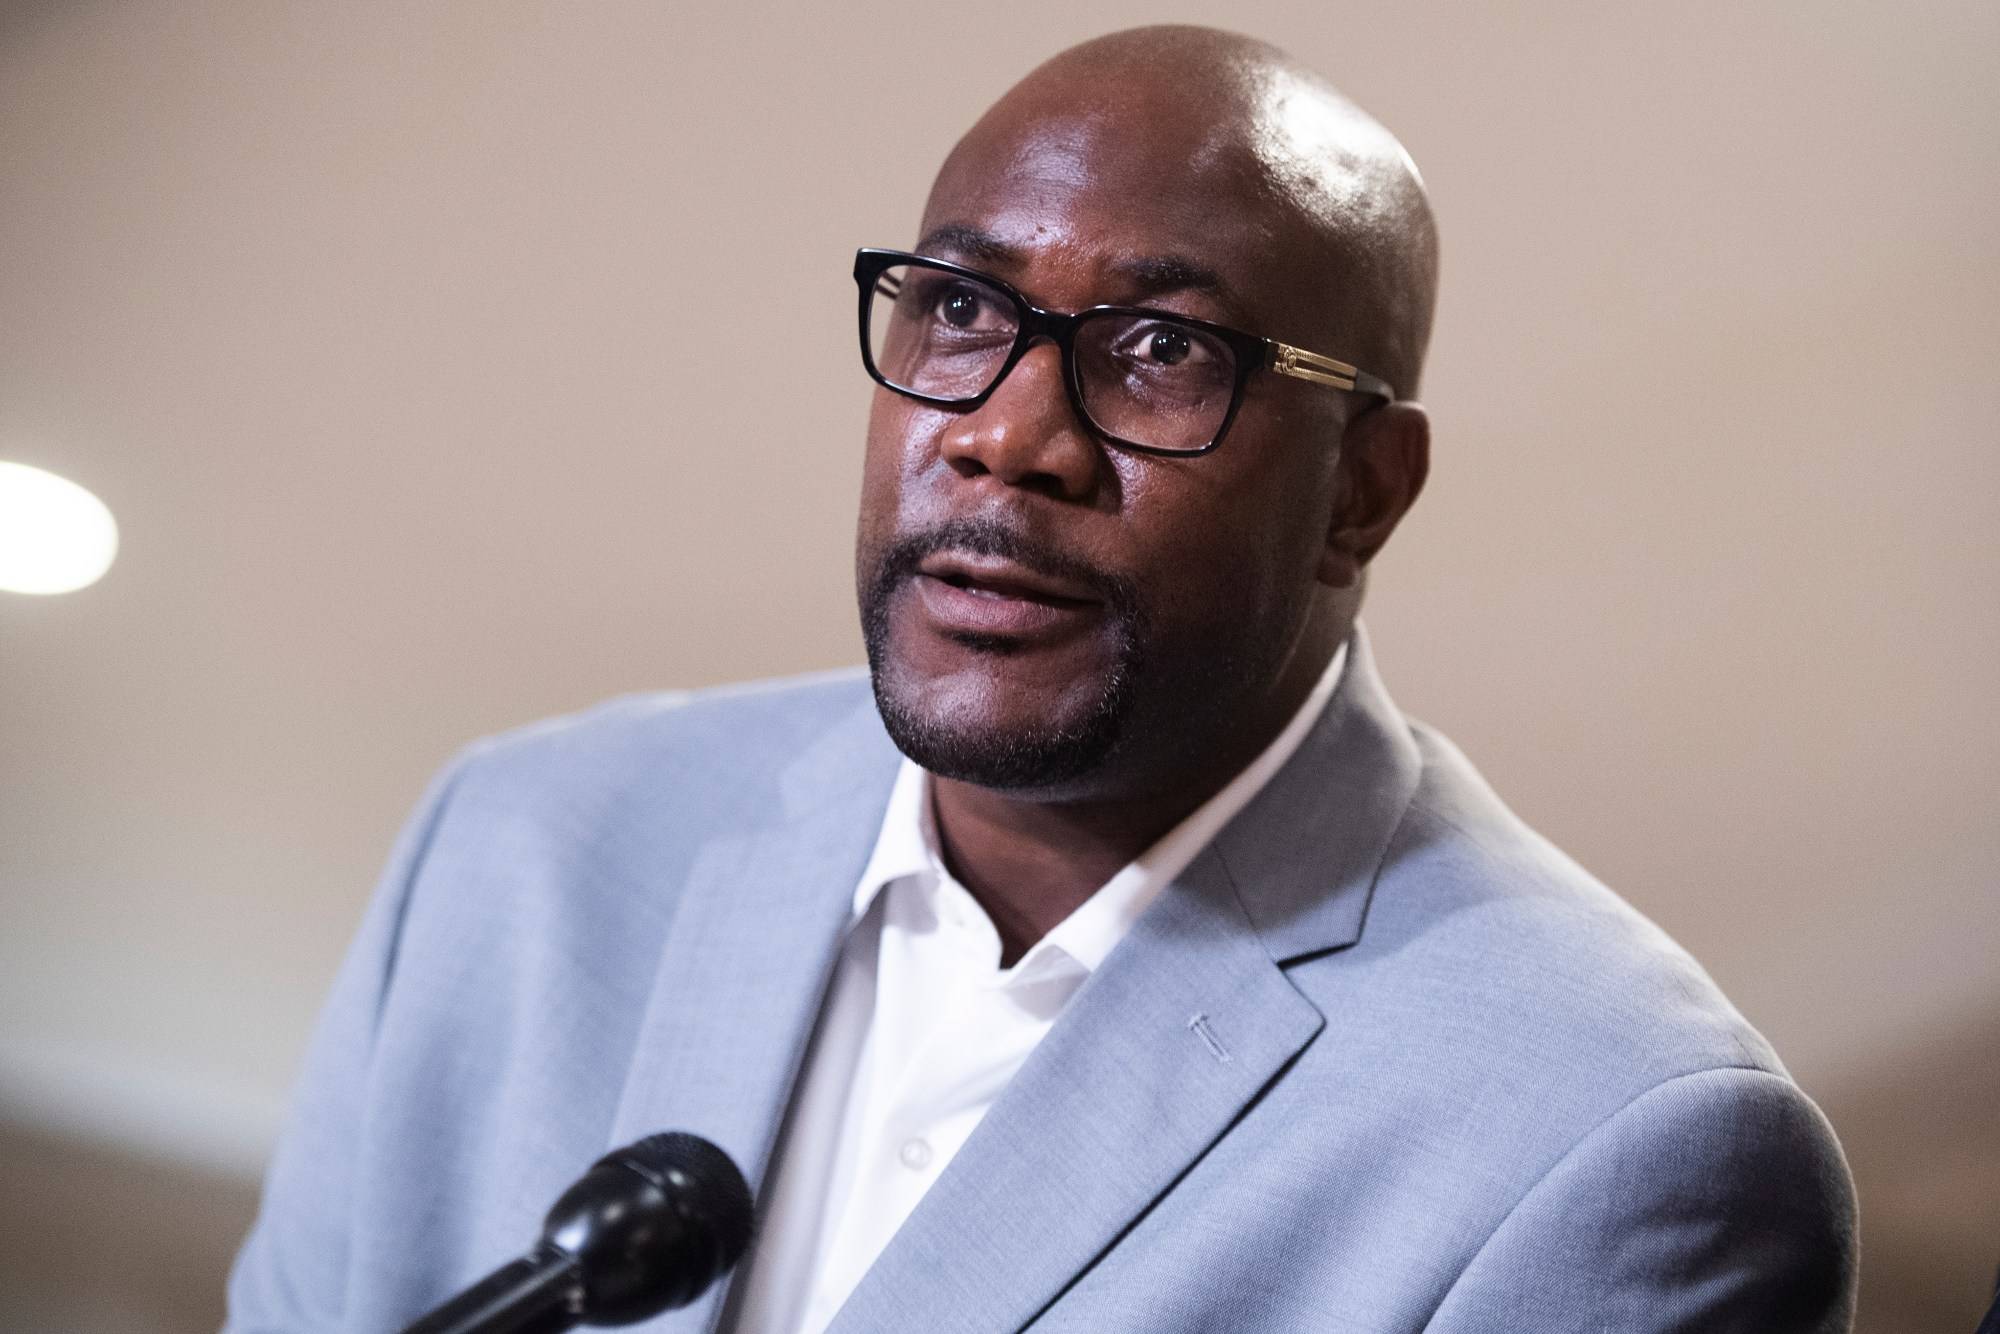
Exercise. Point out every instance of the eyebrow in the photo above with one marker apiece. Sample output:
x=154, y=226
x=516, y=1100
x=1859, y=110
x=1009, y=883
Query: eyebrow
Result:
x=969, y=242
x=1154, y=274
x=1148, y=275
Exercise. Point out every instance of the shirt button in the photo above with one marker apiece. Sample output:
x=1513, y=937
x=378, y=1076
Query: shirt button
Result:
x=916, y=1154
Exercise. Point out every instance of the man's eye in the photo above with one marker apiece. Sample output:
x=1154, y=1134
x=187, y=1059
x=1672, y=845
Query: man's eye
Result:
x=1160, y=346
x=965, y=307
x=959, y=309
x=1169, y=347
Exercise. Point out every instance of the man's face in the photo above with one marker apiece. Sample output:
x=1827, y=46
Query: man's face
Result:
x=1054, y=615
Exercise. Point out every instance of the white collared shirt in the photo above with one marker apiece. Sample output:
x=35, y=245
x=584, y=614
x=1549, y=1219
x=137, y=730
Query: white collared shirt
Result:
x=922, y=1029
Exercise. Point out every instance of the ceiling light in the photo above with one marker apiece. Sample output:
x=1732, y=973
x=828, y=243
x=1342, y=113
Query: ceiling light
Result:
x=55, y=537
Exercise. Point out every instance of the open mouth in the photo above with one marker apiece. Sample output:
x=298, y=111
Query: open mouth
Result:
x=999, y=578
x=964, y=594
x=1000, y=588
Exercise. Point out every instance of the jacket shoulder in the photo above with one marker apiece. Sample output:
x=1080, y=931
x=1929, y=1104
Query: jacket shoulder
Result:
x=712, y=741
x=591, y=821
x=1717, y=1200
x=1498, y=981
x=1505, y=1012
x=1528, y=922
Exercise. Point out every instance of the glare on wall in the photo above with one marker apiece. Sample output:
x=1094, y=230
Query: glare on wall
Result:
x=55, y=537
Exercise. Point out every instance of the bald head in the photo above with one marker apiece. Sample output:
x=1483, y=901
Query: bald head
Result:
x=1338, y=202
x=1064, y=611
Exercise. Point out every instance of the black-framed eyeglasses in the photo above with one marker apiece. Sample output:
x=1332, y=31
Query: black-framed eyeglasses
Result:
x=1149, y=380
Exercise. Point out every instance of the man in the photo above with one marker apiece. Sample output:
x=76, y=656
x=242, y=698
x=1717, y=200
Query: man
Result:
x=1173, y=980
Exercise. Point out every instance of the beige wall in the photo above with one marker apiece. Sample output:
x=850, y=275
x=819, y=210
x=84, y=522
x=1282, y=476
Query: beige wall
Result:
x=451, y=364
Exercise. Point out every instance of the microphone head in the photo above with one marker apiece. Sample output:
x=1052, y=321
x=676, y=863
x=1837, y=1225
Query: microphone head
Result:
x=707, y=1182
x=652, y=1226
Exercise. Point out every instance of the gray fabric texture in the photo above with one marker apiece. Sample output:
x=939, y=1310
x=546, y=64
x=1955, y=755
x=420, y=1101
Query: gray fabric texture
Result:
x=1381, y=1059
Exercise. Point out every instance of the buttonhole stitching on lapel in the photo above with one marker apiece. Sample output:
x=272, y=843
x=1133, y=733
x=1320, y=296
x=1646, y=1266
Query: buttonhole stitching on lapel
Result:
x=1199, y=1027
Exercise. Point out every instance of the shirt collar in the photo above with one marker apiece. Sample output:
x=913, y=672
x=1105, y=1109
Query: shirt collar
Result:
x=907, y=845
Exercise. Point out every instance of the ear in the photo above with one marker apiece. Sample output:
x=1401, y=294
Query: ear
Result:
x=1385, y=455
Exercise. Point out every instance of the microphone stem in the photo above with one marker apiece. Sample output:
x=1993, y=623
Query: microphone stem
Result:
x=540, y=1293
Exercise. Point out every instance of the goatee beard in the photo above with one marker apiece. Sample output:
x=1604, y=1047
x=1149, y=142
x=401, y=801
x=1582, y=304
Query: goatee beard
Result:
x=1017, y=758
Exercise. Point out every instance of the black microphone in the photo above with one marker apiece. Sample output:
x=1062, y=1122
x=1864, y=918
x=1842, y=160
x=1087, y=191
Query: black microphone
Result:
x=646, y=1229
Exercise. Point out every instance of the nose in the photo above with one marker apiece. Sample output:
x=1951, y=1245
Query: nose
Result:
x=1027, y=434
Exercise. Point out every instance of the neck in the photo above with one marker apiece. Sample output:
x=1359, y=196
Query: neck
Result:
x=1030, y=861
x=1030, y=864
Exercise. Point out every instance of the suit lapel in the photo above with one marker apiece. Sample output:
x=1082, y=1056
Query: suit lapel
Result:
x=1304, y=854
x=1183, y=1025
x=1165, y=1044
x=746, y=961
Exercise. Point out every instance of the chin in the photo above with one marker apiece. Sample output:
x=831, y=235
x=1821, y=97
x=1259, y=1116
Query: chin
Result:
x=1014, y=713
x=970, y=732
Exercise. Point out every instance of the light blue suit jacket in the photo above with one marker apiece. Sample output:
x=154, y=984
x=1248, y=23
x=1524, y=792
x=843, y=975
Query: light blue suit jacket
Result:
x=1447, y=1081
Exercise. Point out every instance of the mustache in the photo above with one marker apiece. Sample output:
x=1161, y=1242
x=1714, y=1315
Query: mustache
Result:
x=991, y=536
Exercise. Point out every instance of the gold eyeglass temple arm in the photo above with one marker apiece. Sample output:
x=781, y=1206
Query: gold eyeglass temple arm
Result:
x=1304, y=365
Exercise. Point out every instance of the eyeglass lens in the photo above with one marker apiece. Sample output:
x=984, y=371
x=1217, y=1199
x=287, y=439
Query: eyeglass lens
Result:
x=1142, y=379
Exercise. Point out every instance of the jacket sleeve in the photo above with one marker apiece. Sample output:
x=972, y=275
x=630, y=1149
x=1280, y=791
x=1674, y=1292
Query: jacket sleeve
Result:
x=1717, y=1201
x=290, y=1275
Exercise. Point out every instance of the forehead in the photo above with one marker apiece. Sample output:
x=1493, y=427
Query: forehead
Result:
x=1085, y=204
